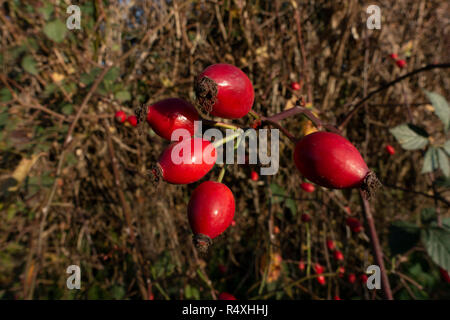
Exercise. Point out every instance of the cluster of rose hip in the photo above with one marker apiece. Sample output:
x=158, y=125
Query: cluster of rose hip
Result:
x=222, y=90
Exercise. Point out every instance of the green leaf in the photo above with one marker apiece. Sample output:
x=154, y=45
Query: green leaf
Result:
x=430, y=162
x=67, y=109
x=47, y=10
x=291, y=205
x=437, y=243
x=443, y=162
x=440, y=106
x=29, y=65
x=5, y=94
x=88, y=78
x=403, y=236
x=123, y=96
x=428, y=215
x=410, y=136
x=447, y=147
x=55, y=30
x=276, y=192
x=117, y=292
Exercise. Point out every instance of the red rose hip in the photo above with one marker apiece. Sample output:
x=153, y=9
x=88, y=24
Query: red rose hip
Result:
x=308, y=187
x=331, y=161
x=390, y=149
x=210, y=212
x=174, y=166
x=295, y=86
x=226, y=296
x=224, y=91
x=338, y=255
x=120, y=116
x=132, y=120
x=321, y=280
x=330, y=245
x=167, y=115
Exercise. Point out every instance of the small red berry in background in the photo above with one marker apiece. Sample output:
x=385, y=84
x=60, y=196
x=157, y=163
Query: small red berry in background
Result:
x=394, y=56
x=445, y=275
x=301, y=265
x=308, y=187
x=226, y=296
x=132, y=120
x=341, y=272
x=400, y=63
x=336, y=298
x=348, y=210
x=295, y=86
x=233, y=223
x=321, y=280
x=338, y=255
x=318, y=268
x=354, y=224
x=222, y=269
x=330, y=245
x=305, y=217
x=120, y=116
x=351, y=278
x=254, y=176
x=276, y=230
x=363, y=278
x=256, y=124
x=390, y=149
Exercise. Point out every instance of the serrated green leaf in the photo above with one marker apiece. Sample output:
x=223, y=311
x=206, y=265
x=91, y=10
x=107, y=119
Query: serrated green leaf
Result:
x=437, y=243
x=440, y=106
x=443, y=162
x=430, y=162
x=123, y=96
x=410, y=136
x=55, y=30
x=446, y=147
x=29, y=65
x=403, y=236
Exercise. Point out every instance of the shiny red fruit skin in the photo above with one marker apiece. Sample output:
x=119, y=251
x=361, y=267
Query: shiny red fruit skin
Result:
x=185, y=173
x=341, y=272
x=330, y=160
x=235, y=94
x=301, y=265
x=132, y=120
x=390, y=149
x=363, y=277
x=330, y=245
x=321, y=280
x=354, y=224
x=226, y=296
x=445, y=275
x=254, y=176
x=120, y=116
x=305, y=217
x=211, y=209
x=295, y=86
x=393, y=56
x=400, y=63
x=318, y=268
x=308, y=187
x=167, y=115
x=351, y=278
x=336, y=298
x=338, y=255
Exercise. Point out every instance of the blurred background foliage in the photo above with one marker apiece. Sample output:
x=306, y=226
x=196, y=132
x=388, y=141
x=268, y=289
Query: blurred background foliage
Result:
x=60, y=203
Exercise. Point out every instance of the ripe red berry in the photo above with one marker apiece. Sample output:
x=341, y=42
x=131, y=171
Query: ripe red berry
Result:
x=308, y=187
x=363, y=278
x=295, y=86
x=330, y=245
x=318, y=268
x=445, y=275
x=321, y=280
x=132, y=120
x=180, y=168
x=354, y=224
x=338, y=255
x=233, y=223
x=167, y=115
x=390, y=149
x=120, y=116
x=393, y=56
x=400, y=63
x=210, y=212
x=351, y=278
x=301, y=265
x=336, y=298
x=226, y=296
x=305, y=217
x=341, y=271
x=331, y=161
x=224, y=91
x=254, y=176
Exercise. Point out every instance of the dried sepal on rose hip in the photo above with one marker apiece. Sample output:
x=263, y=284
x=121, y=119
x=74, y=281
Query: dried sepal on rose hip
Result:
x=168, y=115
x=331, y=161
x=224, y=91
x=210, y=212
x=175, y=166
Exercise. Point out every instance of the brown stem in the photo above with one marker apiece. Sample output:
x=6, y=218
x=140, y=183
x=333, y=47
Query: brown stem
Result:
x=376, y=246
